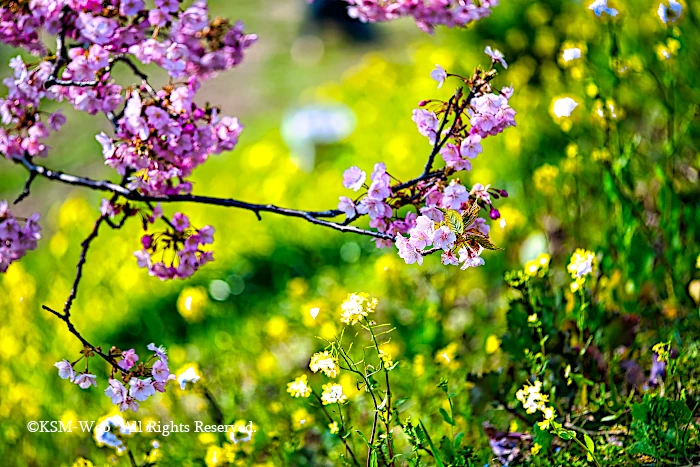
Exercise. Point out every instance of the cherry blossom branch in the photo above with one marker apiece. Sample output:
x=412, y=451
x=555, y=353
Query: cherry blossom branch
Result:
x=69, y=324
x=315, y=217
x=438, y=142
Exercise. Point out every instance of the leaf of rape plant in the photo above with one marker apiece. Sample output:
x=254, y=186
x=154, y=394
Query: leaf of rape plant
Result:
x=438, y=461
x=446, y=416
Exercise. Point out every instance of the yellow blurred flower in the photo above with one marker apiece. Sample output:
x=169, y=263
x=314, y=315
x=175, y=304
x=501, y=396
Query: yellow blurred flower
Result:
x=302, y=419
x=446, y=356
x=333, y=427
x=544, y=178
x=207, y=438
x=535, y=449
x=81, y=462
x=667, y=51
x=582, y=264
x=418, y=366
x=493, y=343
x=216, y=456
x=600, y=155
x=532, y=398
x=276, y=327
x=191, y=303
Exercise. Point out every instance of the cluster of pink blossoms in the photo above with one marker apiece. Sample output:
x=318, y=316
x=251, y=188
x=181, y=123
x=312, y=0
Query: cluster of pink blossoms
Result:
x=161, y=136
x=19, y=111
x=427, y=13
x=140, y=388
x=16, y=239
x=180, y=249
x=482, y=114
x=164, y=138
x=460, y=242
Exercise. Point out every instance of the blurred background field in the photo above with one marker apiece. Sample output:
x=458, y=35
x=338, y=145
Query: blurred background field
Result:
x=245, y=319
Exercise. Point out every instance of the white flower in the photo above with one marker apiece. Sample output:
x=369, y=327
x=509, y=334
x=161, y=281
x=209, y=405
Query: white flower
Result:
x=188, y=376
x=85, y=380
x=563, y=107
x=670, y=13
x=496, y=56
x=439, y=75
x=571, y=54
x=159, y=351
x=601, y=6
x=65, y=370
x=106, y=432
x=332, y=394
x=141, y=389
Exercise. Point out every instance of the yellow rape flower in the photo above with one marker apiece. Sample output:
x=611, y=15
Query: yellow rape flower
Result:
x=299, y=387
x=356, y=307
x=324, y=362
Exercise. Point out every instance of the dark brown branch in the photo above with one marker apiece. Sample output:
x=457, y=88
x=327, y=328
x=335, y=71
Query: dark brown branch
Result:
x=27, y=188
x=85, y=246
x=315, y=217
x=69, y=324
x=440, y=142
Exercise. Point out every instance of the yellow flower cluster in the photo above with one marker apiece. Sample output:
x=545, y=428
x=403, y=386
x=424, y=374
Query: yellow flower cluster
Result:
x=324, y=362
x=334, y=428
x=661, y=350
x=668, y=50
x=544, y=178
x=299, y=387
x=581, y=265
x=333, y=394
x=356, y=307
x=386, y=358
x=534, y=401
x=538, y=266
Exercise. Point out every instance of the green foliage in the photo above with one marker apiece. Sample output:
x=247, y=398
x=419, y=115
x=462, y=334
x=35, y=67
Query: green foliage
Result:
x=661, y=429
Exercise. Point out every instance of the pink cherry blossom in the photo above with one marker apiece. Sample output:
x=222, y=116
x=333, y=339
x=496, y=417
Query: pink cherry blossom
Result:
x=454, y=196
x=16, y=239
x=427, y=123
x=471, y=146
x=496, y=56
x=65, y=370
x=129, y=359
x=481, y=192
x=470, y=258
x=348, y=207
x=376, y=208
x=439, y=75
x=159, y=351
x=161, y=372
x=85, y=380
x=444, y=238
x=428, y=15
x=449, y=258
x=141, y=389
x=407, y=251
x=353, y=178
